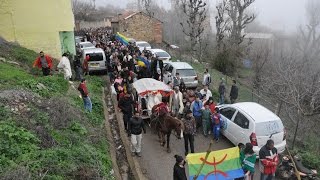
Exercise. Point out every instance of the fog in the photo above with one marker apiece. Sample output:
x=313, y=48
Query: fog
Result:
x=284, y=15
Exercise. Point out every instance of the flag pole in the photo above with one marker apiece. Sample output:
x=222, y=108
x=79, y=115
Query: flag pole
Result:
x=205, y=159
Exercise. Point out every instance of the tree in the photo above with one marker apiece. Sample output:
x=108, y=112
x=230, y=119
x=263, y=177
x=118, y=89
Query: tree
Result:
x=196, y=15
x=82, y=10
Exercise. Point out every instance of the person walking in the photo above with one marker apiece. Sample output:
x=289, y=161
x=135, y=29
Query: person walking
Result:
x=206, y=78
x=268, y=161
x=85, y=95
x=135, y=128
x=77, y=66
x=216, y=121
x=196, y=108
x=222, y=91
x=189, y=131
x=248, y=159
x=43, y=62
x=176, y=102
x=234, y=92
x=179, y=172
x=126, y=104
x=206, y=118
x=64, y=65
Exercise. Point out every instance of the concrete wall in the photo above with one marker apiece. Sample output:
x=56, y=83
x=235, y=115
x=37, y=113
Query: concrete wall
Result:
x=36, y=24
x=142, y=28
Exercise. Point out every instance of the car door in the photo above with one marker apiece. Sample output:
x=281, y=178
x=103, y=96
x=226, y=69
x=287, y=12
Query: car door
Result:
x=242, y=128
x=227, y=115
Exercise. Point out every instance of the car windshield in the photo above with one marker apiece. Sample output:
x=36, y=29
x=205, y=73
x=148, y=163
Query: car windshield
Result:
x=186, y=72
x=143, y=45
x=95, y=56
x=162, y=54
x=269, y=128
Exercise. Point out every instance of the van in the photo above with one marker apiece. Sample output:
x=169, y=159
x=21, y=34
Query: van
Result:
x=97, y=59
x=249, y=122
x=186, y=72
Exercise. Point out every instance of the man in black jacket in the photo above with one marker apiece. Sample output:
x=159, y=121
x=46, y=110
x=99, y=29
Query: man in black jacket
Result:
x=156, y=66
x=234, y=92
x=136, y=125
x=126, y=105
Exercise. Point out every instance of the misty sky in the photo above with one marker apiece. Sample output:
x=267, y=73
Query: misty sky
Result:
x=283, y=15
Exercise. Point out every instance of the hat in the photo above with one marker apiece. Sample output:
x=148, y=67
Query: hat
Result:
x=179, y=159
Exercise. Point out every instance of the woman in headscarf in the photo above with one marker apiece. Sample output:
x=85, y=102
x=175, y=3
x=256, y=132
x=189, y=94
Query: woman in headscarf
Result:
x=179, y=172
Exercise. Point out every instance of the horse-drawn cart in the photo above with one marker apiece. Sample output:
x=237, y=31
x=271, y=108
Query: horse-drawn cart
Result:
x=149, y=92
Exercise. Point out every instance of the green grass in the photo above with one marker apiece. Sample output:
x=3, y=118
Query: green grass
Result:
x=79, y=148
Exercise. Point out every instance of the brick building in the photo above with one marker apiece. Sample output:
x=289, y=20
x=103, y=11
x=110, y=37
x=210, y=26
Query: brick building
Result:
x=139, y=26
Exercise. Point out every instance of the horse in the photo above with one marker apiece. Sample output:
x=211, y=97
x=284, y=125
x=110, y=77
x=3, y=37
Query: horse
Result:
x=164, y=124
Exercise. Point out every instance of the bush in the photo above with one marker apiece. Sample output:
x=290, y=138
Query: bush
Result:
x=224, y=63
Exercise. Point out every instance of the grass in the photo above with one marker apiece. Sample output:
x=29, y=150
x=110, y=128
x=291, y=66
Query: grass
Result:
x=76, y=141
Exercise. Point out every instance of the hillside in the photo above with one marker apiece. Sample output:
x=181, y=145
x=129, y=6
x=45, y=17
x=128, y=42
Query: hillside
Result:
x=44, y=131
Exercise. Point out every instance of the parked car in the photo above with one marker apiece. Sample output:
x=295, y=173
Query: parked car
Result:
x=142, y=45
x=131, y=40
x=97, y=59
x=249, y=122
x=78, y=39
x=163, y=55
x=86, y=45
x=185, y=70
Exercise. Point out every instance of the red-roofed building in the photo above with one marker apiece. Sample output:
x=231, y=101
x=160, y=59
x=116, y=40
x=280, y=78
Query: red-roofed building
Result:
x=139, y=26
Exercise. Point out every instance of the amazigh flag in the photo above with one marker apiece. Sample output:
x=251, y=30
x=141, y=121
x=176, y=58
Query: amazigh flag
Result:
x=122, y=39
x=222, y=164
x=141, y=61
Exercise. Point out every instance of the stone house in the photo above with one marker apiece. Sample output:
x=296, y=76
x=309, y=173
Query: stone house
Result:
x=139, y=26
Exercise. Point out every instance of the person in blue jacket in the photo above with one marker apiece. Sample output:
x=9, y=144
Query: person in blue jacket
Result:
x=196, y=108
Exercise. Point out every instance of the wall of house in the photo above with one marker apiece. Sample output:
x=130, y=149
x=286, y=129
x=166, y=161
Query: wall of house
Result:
x=37, y=24
x=93, y=24
x=142, y=28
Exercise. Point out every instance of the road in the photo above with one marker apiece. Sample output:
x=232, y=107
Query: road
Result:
x=158, y=164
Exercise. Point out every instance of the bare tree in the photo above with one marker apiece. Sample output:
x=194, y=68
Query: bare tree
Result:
x=82, y=10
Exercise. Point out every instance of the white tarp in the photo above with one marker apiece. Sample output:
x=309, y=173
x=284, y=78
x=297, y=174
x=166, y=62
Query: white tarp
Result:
x=149, y=85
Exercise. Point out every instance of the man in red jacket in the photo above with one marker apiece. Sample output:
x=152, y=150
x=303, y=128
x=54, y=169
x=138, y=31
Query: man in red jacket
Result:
x=268, y=161
x=43, y=62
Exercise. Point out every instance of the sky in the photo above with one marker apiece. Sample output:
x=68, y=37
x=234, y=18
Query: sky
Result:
x=284, y=15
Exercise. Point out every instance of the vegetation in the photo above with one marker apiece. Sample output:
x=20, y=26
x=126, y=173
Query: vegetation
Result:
x=44, y=131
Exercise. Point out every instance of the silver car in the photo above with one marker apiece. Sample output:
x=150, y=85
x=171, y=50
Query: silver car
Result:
x=186, y=72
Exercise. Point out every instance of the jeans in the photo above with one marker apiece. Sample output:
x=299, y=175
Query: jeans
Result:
x=205, y=126
x=216, y=131
x=188, y=138
x=221, y=99
x=46, y=71
x=266, y=176
x=87, y=103
x=136, y=143
x=126, y=119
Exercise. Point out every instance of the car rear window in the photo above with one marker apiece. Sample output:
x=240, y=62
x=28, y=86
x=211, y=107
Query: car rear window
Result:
x=162, y=54
x=143, y=45
x=186, y=72
x=268, y=128
x=95, y=56
x=87, y=45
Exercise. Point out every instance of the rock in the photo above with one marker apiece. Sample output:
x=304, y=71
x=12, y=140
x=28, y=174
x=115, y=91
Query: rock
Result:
x=3, y=59
x=12, y=109
x=28, y=109
x=41, y=86
x=21, y=106
x=39, y=101
x=111, y=172
x=48, y=108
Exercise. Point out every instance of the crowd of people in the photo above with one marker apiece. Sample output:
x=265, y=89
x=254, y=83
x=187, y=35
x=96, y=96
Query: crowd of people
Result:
x=196, y=108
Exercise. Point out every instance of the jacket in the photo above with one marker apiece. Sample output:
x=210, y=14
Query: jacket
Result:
x=126, y=104
x=268, y=162
x=190, y=125
x=37, y=62
x=179, y=173
x=136, y=125
x=234, y=92
x=196, y=108
x=172, y=101
x=83, y=90
x=248, y=162
x=65, y=65
x=206, y=114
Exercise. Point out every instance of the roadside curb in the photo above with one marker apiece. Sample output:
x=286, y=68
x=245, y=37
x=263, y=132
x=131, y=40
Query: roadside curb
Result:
x=112, y=148
x=133, y=162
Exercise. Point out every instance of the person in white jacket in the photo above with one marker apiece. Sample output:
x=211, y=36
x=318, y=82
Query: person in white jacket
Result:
x=205, y=93
x=176, y=102
x=64, y=65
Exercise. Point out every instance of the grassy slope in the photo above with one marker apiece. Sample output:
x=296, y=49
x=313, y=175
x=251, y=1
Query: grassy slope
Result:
x=79, y=146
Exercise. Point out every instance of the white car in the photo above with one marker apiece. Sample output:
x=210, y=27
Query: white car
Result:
x=163, y=55
x=86, y=45
x=142, y=45
x=249, y=122
x=185, y=70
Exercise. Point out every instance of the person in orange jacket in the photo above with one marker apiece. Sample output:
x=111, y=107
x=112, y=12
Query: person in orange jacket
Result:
x=43, y=62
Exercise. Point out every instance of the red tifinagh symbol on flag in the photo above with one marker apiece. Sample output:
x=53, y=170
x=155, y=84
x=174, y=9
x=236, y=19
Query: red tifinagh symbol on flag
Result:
x=214, y=164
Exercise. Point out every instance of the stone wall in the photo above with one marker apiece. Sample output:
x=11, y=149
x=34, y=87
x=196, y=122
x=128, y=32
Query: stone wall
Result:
x=142, y=28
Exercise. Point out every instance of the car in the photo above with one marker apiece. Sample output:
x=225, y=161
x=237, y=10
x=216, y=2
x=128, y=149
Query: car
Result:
x=250, y=122
x=86, y=45
x=142, y=45
x=97, y=59
x=185, y=70
x=163, y=55
x=131, y=40
x=78, y=39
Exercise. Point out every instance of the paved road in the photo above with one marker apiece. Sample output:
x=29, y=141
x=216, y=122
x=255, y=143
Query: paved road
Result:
x=158, y=164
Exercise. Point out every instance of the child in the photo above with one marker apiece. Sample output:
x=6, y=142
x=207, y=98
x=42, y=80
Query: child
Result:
x=206, y=116
x=216, y=121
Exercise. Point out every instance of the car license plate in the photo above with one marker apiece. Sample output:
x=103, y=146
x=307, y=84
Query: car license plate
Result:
x=94, y=65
